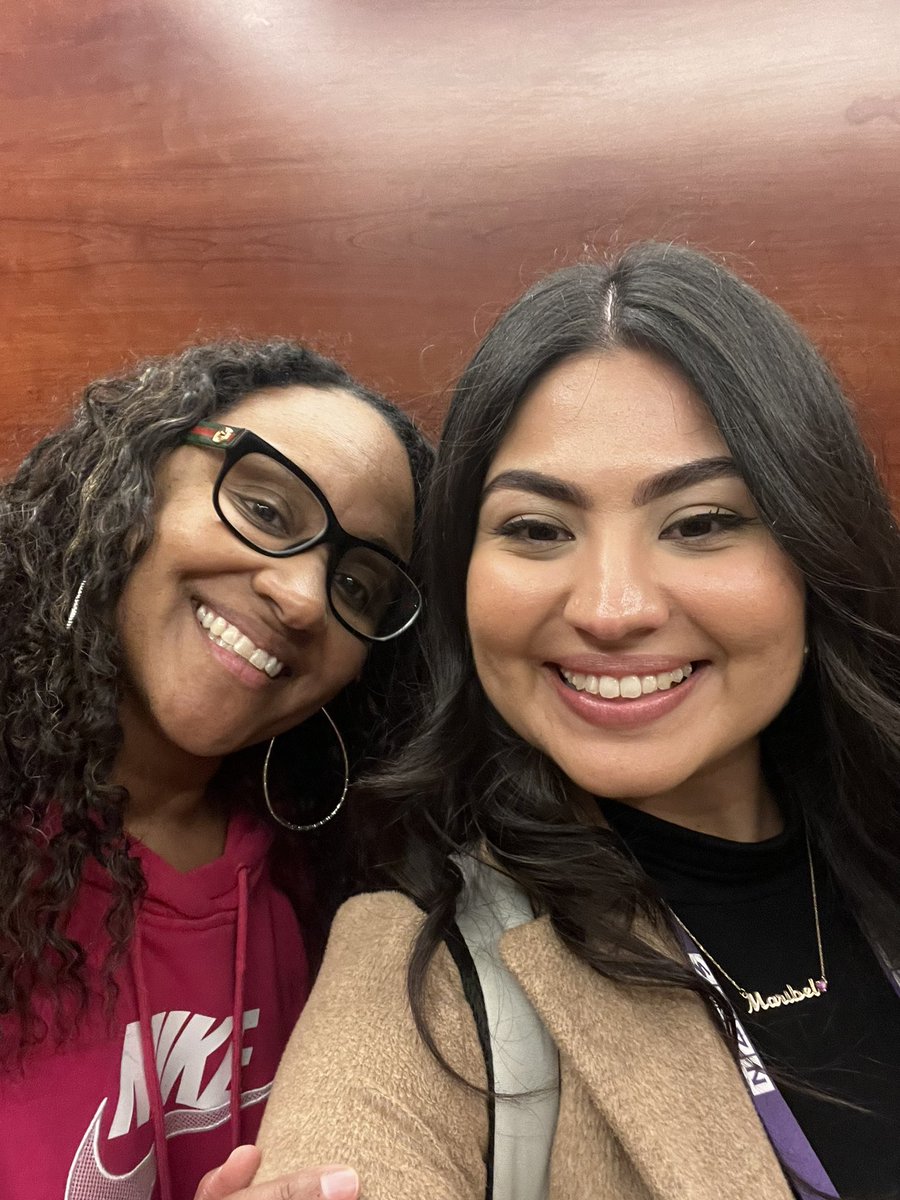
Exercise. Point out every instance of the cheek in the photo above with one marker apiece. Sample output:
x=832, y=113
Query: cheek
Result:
x=353, y=664
x=483, y=598
x=495, y=612
x=510, y=605
x=760, y=616
x=132, y=610
x=342, y=664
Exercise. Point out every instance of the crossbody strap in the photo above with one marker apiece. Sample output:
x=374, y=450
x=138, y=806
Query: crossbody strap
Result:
x=521, y=1059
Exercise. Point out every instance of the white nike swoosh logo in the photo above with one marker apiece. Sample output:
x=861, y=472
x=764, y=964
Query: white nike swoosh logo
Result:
x=88, y=1178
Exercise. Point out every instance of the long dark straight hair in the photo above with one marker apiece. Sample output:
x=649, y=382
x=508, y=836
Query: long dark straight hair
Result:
x=465, y=779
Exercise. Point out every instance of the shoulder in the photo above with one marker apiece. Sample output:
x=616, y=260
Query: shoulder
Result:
x=368, y=947
x=375, y=930
x=357, y=1083
x=364, y=974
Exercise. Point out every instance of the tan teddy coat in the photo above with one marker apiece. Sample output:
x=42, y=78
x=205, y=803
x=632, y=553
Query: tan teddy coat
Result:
x=652, y=1106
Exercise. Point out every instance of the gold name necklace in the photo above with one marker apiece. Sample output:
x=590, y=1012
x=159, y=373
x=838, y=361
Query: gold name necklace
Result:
x=755, y=1001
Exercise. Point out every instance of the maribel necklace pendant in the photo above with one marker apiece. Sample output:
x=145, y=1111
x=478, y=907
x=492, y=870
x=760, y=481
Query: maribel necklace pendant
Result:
x=813, y=989
x=756, y=1001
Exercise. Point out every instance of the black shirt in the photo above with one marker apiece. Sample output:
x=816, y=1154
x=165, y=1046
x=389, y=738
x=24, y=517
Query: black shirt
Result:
x=750, y=904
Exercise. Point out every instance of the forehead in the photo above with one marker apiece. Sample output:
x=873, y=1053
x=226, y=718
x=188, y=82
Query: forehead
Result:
x=347, y=447
x=623, y=412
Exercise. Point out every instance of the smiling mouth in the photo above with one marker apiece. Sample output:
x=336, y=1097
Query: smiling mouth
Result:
x=627, y=687
x=229, y=637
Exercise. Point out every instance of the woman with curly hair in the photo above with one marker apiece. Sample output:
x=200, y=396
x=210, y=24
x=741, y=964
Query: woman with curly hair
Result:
x=656, y=784
x=211, y=551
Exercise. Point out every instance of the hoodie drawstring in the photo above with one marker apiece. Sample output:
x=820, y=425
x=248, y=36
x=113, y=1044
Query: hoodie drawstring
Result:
x=151, y=1074
x=148, y=1049
x=237, y=1011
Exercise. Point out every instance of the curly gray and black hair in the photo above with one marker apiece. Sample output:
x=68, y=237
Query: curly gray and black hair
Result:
x=81, y=508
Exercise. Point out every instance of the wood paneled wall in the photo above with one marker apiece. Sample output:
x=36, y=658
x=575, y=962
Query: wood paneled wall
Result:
x=381, y=176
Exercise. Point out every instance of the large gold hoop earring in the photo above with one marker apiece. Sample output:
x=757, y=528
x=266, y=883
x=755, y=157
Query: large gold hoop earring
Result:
x=337, y=808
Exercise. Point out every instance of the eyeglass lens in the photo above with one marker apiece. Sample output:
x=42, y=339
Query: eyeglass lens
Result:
x=274, y=510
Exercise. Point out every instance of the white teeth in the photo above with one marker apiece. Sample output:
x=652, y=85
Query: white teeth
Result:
x=629, y=687
x=229, y=637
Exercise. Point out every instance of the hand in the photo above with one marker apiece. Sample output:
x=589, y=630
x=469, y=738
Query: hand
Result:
x=234, y=1181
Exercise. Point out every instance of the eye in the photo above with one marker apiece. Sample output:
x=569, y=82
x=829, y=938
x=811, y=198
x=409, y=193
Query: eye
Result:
x=536, y=532
x=352, y=591
x=263, y=513
x=365, y=594
x=364, y=585
x=704, y=526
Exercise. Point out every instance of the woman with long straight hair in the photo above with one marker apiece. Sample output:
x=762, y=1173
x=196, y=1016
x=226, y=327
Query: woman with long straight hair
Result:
x=204, y=604
x=663, y=706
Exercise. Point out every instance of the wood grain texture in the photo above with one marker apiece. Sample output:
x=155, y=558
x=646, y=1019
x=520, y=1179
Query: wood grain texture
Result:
x=382, y=176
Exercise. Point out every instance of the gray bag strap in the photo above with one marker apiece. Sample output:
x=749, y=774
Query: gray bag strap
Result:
x=525, y=1059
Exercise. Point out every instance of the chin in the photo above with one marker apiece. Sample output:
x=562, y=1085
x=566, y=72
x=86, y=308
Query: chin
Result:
x=201, y=744
x=199, y=748
x=624, y=784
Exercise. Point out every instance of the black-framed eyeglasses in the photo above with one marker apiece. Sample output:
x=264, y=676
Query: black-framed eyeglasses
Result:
x=275, y=508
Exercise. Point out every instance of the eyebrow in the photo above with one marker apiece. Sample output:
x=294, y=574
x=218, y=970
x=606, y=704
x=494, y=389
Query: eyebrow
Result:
x=382, y=543
x=539, y=484
x=702, y=470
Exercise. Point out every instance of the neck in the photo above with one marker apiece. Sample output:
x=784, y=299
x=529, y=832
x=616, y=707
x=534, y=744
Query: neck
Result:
x=169, y=807
x=731, y=801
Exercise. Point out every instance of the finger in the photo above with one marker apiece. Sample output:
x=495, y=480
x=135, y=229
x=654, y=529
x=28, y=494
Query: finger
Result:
x=333, y=1182
x=319, y=1183
x=235, y=1173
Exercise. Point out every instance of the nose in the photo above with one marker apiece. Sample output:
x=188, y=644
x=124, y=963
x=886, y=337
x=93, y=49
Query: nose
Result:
x=616, y=594
x=297, y=588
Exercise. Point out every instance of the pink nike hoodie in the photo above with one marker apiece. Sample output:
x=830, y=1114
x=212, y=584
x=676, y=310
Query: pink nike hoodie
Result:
x=141, y=1101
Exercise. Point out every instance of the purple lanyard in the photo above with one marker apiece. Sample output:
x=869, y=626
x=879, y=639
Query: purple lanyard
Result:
x=779, y=1122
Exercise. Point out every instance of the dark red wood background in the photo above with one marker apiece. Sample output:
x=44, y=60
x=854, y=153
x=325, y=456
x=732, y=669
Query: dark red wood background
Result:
x=382, y=176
